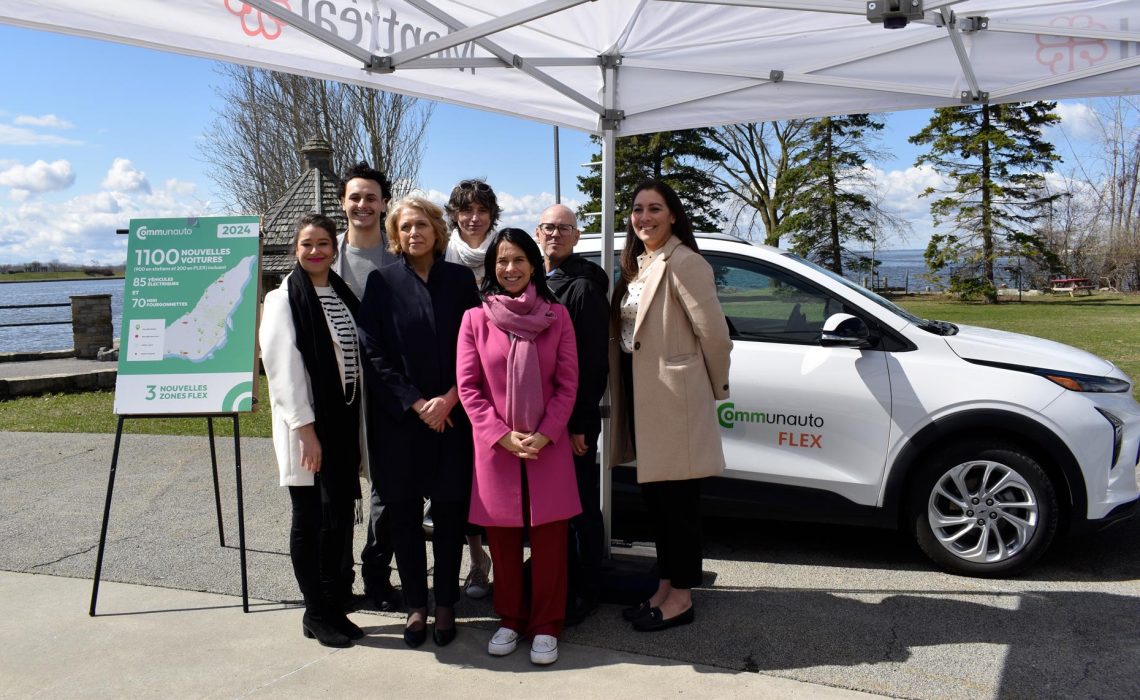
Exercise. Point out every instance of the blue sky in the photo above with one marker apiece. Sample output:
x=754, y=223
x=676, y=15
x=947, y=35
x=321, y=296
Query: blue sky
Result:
x=94, y=133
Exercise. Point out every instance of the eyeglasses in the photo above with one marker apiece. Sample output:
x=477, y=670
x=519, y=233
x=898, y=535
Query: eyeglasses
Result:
x=552, y=228
x=477, y=185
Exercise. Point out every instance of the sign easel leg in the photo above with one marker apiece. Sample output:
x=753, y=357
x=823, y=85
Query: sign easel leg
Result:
x=217, y=492
x=107, y=516
x=241, y=516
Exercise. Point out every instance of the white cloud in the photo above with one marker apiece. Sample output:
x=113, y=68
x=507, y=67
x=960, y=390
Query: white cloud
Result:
x=37, y=178
x=47, y=120
x=124, y=177
x=82, y=228
x=21, y=136
x=1079, y=120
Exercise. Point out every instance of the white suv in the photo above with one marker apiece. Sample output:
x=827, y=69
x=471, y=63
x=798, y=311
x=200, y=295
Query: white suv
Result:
x=847, y=408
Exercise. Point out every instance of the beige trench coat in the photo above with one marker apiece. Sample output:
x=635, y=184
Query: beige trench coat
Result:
x=680, y=368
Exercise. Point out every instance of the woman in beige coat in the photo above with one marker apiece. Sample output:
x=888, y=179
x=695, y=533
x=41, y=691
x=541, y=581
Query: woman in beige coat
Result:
x=669, y=358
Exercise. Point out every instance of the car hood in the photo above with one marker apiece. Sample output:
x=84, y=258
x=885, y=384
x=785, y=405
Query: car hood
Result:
x=974, y=343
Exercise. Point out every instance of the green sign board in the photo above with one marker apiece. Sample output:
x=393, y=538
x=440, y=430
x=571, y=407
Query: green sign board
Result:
x=188, y=340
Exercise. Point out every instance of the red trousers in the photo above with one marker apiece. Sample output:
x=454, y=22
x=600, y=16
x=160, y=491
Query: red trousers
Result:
x=547, y=610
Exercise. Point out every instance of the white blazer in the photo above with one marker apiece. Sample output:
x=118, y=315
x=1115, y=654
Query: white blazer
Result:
x=290, y=392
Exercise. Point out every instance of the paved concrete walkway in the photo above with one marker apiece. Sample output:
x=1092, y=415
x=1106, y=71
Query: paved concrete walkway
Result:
x=160, y=642
x=36, y=377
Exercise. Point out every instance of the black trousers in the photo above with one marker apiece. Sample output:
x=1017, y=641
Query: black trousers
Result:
x=448, y=520
x=376, y=557
x=674, y=516
x=317, y=541
x=587, y=531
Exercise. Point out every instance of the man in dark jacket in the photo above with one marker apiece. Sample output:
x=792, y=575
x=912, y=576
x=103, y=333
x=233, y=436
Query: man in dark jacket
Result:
x=581, y=286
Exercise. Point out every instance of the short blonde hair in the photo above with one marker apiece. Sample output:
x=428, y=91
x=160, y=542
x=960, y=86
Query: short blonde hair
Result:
x=433, y=213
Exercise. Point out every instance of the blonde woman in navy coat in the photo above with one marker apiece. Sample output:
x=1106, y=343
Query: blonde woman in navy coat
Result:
x=419, y=436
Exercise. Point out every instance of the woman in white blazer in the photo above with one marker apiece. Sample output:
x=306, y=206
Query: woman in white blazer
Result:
x=311, y=354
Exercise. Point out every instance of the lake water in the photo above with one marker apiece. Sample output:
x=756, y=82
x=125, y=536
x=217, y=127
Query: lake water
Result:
x=56, y=337
x=906, y=267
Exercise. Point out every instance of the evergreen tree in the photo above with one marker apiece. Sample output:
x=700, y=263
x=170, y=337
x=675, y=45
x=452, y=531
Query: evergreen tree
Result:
x=994, y=158
x=680, y=158
x=830, y=208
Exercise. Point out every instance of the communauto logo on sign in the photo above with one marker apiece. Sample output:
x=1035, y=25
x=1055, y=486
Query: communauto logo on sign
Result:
x=144, y=233
x=728, y=416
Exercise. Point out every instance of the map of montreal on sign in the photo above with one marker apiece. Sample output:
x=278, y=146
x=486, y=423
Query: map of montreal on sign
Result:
x=188, y=342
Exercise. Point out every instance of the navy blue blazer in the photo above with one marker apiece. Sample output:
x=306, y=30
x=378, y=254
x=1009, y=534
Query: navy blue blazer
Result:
x=409, y=330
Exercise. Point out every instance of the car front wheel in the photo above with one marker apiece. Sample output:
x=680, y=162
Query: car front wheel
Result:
x=983, y=509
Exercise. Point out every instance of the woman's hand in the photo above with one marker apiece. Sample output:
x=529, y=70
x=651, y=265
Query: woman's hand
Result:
x=514, y=442
x=310, y=448
x=536, y=441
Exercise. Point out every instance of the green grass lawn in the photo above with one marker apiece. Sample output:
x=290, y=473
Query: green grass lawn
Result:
x=92, y=412
x=1104, y=324
x=1107, y=325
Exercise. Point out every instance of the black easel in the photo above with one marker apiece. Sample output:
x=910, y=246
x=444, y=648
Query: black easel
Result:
x=217, y=499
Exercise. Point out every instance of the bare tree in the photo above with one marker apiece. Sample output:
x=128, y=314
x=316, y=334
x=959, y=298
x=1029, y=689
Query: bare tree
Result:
x=758, y=156
x=254, y=142
x=1113, y=177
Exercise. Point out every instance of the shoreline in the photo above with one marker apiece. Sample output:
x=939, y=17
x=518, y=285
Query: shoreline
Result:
x=83, y=278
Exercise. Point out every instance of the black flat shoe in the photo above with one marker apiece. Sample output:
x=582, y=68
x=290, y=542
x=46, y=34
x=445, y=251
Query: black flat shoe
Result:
x=384, y=596
x=413, y=637
x=443, y=637
x=653, y=621
x=635, y=611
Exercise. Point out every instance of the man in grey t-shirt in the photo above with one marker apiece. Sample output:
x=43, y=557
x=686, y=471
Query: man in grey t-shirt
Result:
x=364, y=193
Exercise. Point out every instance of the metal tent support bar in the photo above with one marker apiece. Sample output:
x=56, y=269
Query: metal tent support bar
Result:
x=217, y=501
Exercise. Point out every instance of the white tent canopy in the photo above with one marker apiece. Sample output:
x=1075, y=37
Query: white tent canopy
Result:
x=646, y=65
x=622, y=67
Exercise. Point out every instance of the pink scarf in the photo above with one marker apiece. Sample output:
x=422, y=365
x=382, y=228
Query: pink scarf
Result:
x=523, y=318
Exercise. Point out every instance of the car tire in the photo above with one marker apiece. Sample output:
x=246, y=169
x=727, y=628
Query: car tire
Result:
x=983, y=509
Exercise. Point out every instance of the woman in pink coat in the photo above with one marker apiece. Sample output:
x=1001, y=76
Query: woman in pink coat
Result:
x=518, y=376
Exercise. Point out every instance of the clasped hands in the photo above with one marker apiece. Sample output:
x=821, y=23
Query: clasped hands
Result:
x=524, y=445
x=436, y=412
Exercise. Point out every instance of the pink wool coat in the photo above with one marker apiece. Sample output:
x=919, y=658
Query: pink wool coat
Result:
x=481, y=369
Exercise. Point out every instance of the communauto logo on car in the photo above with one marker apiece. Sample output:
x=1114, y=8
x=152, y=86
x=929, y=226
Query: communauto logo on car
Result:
x=728, y=416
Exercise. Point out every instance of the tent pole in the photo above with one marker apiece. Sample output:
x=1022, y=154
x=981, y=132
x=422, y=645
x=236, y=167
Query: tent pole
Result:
x=557, y=171
x=607, y=228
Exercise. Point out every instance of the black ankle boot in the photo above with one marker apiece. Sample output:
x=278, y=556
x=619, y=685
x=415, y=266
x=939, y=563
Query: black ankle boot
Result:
x=316, y=626
x=345, y=626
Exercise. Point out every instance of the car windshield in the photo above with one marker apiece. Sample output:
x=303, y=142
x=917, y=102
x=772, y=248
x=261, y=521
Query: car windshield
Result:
x=936, y=327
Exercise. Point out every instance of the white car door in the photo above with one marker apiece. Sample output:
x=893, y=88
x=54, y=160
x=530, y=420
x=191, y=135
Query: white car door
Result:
x=799, y=414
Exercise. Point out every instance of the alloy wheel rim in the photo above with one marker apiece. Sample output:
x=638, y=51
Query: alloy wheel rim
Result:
x=983, y=511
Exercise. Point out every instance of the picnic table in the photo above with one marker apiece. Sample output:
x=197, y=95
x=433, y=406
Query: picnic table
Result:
x=1071, y=285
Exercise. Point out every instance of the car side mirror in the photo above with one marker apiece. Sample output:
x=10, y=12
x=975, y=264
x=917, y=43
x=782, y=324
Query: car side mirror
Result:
x=845, y=330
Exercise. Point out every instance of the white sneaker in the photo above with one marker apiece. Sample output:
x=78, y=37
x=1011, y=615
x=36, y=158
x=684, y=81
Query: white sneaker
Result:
x=504, y=642
x=544, y=650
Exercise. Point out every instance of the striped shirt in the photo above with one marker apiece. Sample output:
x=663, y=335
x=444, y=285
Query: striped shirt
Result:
x=343, y=330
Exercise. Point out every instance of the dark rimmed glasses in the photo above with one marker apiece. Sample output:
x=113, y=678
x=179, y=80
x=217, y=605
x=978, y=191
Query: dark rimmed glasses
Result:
x=555, y=228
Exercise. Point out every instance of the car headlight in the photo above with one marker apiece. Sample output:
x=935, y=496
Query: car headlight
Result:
x=1086, y=382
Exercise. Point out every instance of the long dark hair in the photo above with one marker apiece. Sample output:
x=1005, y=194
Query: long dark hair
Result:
x=533, y=255
x=682, y=229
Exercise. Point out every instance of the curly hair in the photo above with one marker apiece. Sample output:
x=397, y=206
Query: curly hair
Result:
x=468, y=192
x=366, y=172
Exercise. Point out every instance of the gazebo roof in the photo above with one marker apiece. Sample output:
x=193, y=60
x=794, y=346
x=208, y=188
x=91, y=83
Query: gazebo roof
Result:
x=314, y=191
